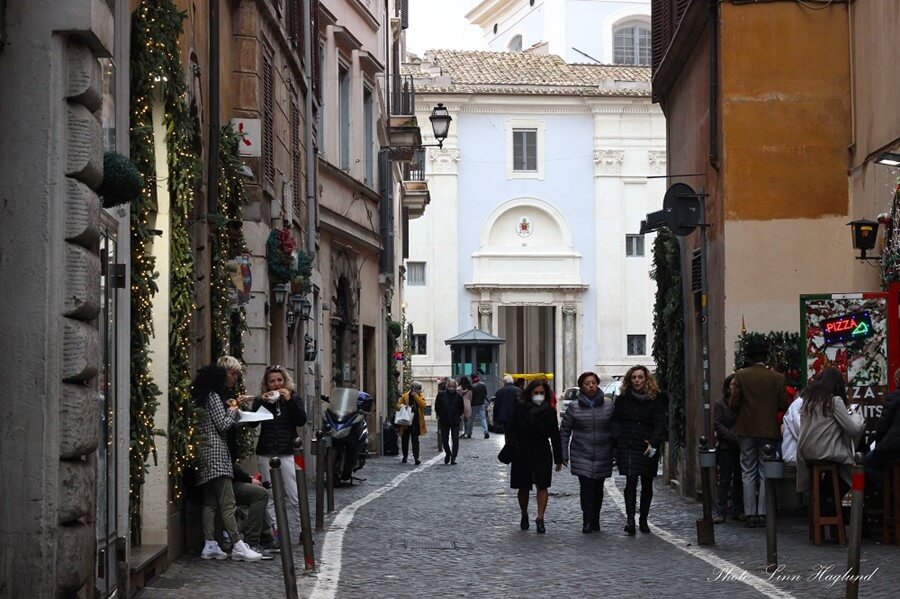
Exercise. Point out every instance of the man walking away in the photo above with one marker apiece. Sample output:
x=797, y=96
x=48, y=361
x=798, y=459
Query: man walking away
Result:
x=505, y=402
x=449, y=409
x=758, y=395
x=479, y=396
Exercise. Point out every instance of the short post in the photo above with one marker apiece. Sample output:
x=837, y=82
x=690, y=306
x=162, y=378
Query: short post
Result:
x=706, y=534
x=309, y=560
x=287, y=557
x=854, y=539
x=329, y=472
x=774, y=470
x=320, y=481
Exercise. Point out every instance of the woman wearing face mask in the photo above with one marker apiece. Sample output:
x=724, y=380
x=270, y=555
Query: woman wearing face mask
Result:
x=639, y=421
x=533, y=431
x=587, y=423
x=276, y=436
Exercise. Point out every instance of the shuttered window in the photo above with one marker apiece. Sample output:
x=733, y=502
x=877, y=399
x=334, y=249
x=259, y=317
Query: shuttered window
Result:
x=317, y=53
x=295, y=160
x=268, y=149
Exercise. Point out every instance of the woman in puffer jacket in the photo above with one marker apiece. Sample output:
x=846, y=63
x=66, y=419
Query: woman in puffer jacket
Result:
x=276, y=436
x=639, y=420
x=587, y=435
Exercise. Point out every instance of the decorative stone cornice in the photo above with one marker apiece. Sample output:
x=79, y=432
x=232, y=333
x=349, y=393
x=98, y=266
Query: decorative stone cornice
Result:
x=485, y=309
x=657, y=159
x=569, y=309
x=443, y=160
x=609, y=162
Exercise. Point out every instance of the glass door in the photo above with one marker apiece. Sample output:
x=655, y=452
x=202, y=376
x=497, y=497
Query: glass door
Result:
x=107, y=450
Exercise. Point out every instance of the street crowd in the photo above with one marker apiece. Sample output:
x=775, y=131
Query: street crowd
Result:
x=594, y=433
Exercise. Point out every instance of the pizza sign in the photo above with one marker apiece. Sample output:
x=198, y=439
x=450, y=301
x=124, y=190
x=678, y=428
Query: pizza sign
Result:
x=848, y=327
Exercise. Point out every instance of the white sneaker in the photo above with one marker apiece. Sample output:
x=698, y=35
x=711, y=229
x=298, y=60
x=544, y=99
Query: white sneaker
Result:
x=242, y=552
x=211, y=550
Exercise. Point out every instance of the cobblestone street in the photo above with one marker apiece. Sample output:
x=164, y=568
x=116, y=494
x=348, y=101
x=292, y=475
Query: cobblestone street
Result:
x=454, y=531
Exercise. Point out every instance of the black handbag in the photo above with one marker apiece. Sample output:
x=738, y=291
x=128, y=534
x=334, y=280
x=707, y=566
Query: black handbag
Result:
x=506, y=454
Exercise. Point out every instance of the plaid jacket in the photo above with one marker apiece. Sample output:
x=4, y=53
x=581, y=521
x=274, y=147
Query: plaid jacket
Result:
x=215, y=460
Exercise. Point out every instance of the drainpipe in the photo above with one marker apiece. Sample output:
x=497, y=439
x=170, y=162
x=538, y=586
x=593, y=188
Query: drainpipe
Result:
x=309, y=39
x=213, y=173
x=714, y=84
x=2, y=24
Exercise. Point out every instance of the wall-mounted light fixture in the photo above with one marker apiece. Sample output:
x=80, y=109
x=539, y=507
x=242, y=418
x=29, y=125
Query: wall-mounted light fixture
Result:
x=310, y=351
x=280, y=291
x=865, y=233
x=888, y=159
x=440, y=123
x=298, y=310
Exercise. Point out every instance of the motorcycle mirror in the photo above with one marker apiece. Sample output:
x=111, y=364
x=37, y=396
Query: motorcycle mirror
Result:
x=326, y=399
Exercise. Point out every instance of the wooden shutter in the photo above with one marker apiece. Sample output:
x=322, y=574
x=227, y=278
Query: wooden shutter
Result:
x=268, y=121
x=316, y=51
x=386, y=212
x=660, y=31
x=404, y=14
x=296, y=160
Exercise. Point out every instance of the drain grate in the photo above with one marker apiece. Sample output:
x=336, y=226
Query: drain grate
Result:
x=173, y=583
x=435, y=545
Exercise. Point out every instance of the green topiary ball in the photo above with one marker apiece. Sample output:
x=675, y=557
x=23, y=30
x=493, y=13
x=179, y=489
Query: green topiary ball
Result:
x=122, y=181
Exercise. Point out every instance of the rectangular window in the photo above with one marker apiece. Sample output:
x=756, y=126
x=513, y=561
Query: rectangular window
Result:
x=634, y=245
x=368, y=135
x=525, y=150
x=637, y=345
x=344, y=97
x=418, y=345
x=415, y=273
x=268, y=141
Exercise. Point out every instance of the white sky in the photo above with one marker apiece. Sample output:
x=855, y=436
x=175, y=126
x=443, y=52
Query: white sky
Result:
x=441, y=25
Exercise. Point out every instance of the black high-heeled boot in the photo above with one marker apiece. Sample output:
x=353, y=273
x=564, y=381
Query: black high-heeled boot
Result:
x=523, y=524
x=539, y=525
x=629, y=525
x=586, y=525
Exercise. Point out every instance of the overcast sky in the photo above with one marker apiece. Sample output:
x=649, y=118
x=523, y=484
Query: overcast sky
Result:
x=441, y=25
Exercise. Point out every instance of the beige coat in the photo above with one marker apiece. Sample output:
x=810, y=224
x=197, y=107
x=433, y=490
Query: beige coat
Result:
x=830, y=438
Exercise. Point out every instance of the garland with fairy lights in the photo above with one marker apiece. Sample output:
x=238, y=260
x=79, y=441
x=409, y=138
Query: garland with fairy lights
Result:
x=156, y=72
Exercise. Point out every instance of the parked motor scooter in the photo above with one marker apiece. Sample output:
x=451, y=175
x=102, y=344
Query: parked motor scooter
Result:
x=345, y=421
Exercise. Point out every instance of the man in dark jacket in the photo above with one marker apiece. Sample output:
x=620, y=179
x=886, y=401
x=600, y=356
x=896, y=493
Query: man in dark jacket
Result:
x=449, y=408
x=505, y=402
x=758, y=395
x=887, y=435
x=479, y=396
x=728, y=457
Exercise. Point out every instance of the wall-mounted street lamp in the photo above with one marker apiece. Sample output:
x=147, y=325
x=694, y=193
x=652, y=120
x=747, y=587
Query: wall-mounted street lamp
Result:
x=310, y=351
x=299, y=310
x=280, y=291
x=440, y=123
x=888, y=159
x=865, y=233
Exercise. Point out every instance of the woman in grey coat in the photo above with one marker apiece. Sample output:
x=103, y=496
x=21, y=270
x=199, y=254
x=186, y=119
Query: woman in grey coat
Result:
x=587, y=434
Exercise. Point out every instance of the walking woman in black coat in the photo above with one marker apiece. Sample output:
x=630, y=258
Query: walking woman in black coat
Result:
x=534, y=433
x=639, y=422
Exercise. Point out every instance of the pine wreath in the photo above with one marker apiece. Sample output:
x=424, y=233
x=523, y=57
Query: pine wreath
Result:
x=287, y=264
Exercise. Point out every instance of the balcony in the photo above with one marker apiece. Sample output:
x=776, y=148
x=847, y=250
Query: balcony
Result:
x=415, y=195
x=403, y=128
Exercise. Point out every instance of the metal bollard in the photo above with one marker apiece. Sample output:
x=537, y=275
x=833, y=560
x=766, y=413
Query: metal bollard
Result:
x=774, y=470
x=287, y=557
x=854, y=539
x=320, y=481
x=706, y=534
x=309, y=560
x=329, y=473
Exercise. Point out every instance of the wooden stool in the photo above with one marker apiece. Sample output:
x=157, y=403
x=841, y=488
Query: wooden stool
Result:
x=817, y=521
x=890, y=519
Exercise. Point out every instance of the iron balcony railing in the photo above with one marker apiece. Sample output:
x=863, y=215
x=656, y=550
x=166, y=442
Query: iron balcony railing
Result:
x=403, y=96
x=415, y=169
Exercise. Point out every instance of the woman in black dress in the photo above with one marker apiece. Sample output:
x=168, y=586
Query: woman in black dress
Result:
x=533, y=432
x=639, y=425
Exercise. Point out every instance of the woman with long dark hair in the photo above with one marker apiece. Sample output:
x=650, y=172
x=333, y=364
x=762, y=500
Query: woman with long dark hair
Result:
x=829, y=430
x=533, y=432
x=215, y=471
x=465, y=389
x=586, y=433
x=639, y=422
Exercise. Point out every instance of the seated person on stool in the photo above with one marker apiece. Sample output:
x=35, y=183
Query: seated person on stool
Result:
x=250, y=494
x=887, y=436
x=829, y=430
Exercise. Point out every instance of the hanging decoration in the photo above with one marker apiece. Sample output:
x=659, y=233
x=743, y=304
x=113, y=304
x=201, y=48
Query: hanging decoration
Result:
x=890, y=254
x=287, y=263
x=157, y=76
x=122, y=181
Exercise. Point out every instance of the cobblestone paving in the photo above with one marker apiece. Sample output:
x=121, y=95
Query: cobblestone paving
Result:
x=453, y=531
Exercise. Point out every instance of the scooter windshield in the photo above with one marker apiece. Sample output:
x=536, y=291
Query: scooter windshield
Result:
x=343, y=401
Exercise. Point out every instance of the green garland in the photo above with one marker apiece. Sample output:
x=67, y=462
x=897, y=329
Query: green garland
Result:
x=668, y=331
x=393, y=331
x=157, y=72
x=784, y=354
x=287, y=264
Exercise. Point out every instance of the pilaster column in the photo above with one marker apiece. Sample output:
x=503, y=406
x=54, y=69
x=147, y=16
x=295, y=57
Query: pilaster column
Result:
x=569, y=356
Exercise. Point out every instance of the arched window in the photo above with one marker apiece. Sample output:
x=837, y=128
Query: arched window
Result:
x=515, y=44
x=631, y=43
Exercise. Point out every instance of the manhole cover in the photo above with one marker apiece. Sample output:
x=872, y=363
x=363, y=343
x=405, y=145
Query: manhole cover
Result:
x=174, y=583
x=435, y=545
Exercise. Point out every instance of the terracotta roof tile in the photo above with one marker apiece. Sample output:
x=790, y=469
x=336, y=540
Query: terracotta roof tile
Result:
x=461, y=71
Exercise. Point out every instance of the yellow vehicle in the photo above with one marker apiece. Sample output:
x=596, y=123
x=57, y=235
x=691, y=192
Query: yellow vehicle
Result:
x=530, y=376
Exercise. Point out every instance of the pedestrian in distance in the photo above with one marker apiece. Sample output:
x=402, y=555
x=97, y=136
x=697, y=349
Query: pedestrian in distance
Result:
x=276, y=437
x=533, y=433
x=449, y=409
x=505, y=401
x=758, y=396
x=587, y=437
x=215, y=471
x=465, y=389
x=887, y=436
x=479, y=398
x=729, y=491
x=829, y=429
x=639, y=425
x=414, y=399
